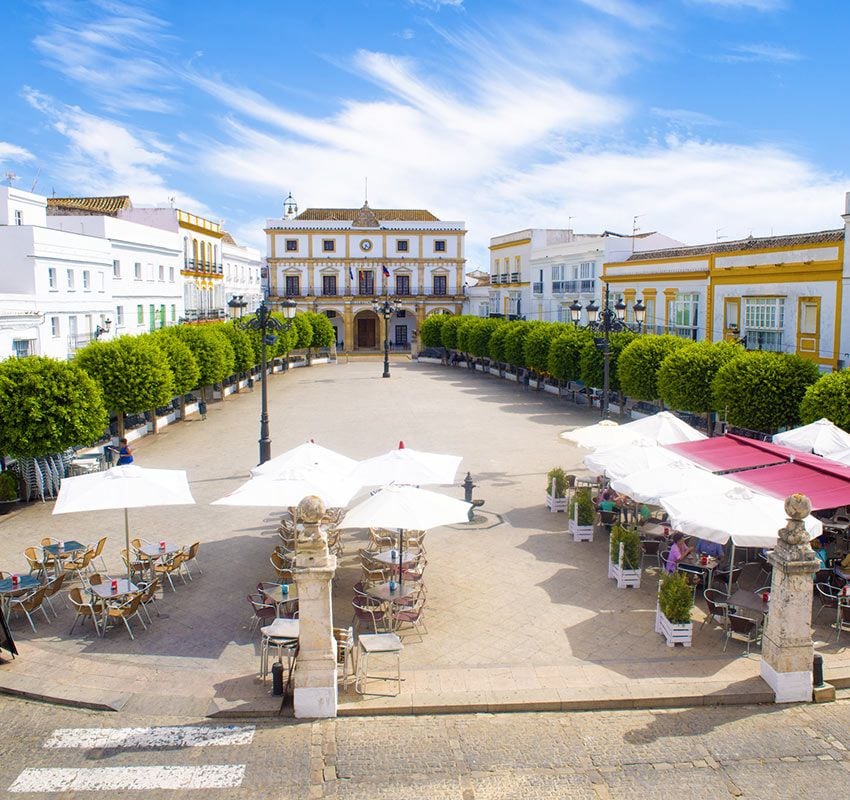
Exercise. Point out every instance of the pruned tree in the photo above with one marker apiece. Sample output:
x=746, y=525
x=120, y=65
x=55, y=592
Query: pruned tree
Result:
x=640, y=361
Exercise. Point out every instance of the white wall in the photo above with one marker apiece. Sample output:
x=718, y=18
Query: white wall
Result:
x=31, y=208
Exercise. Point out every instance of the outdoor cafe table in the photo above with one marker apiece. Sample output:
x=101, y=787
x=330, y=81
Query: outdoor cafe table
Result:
x=7, y=590
x=749, y=600
x=383, y=592
x=104, y=590
x=692, y=562
x=59, y=554
x=275, y=594
x=655, y=529
x=153, y=552
x=386, y=557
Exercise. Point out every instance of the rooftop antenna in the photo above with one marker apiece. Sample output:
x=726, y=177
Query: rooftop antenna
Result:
x=10, y=177
x=717, y=234
x=171, y=200
x=635, y=228
x=366, y=191
x=570, y=221
x=35, y=180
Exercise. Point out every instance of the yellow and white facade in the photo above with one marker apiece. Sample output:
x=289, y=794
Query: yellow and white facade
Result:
x=780, y=293
x=336, y=261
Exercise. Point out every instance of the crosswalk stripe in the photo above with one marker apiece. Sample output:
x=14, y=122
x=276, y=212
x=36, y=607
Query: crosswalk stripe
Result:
x=139, y=738
x=211, y=776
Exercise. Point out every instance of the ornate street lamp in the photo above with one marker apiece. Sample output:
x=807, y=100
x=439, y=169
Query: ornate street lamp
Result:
x=99, y=331
x=237, y=302
x=268, y=327
x=386, y=308
x=606, y=321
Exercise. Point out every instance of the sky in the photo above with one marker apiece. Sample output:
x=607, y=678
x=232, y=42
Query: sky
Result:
x=707, y=120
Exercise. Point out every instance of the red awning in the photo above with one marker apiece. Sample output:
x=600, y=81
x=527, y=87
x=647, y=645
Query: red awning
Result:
x=730, y=452
x=826, y=487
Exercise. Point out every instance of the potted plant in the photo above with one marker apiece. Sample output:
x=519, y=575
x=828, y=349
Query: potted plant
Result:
x=9, y=491
x=624, y=557
x=556, y=489
x=673, y=613
x=582, y=515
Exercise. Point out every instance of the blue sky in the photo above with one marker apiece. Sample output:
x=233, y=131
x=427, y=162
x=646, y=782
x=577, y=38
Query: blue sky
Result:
x=708, y=118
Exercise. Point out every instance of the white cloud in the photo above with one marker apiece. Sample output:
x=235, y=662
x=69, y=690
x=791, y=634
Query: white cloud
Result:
x=639, y=16
x=755, y=5
x=13, y=153
x=436, y=5
x=748, y=53
x=685, y=117
x=111, y=49
x=104, y=157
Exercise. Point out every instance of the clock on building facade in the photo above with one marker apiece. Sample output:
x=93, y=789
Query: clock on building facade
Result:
x=366, y=245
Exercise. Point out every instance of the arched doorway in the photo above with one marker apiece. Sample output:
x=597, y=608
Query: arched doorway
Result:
x=367, y=331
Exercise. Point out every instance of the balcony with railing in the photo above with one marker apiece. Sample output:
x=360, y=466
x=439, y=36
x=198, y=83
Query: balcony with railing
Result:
x=537, y=287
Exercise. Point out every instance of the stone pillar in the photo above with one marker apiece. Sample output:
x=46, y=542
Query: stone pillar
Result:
x=787, y=650
x=315, y=670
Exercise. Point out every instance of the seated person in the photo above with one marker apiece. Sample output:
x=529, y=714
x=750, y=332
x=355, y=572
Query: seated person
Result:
x=706, y=548
x=820, y=552
x=678, y=550
x=643, y=514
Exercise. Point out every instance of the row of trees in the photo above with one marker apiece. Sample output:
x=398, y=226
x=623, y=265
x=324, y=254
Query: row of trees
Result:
x=48, y=405
x=758, y=390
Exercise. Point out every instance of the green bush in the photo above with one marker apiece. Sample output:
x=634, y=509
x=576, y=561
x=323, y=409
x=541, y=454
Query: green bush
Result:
x=586, y=511
x=564, y=359
x=211, y=349
x=676, y=598
x=47, y=406
x=479, y=338
x=243, y=348
x=181, y=362
x=685, y=376
x=303, y=332
x=828, y=397
x=448, y=333
x=431, y=330
x=538, y=343
x=466, y=331
x=630, y=539
x=762, y=391
x=560, y=478
x=592, y=361
x=640, y=361
x=9, y=487
x=324, y=334
x=515, y=342
x=496, y=345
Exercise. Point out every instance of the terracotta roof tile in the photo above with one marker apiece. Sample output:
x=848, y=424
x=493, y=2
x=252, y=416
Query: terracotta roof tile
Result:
x=739, y=245
x=350, y=214
x=108, y=206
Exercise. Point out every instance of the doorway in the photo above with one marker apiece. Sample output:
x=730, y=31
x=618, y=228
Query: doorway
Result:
x=367, y=336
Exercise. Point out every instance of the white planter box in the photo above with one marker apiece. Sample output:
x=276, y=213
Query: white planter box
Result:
x=509, y=376
x=556, y=503
x=673, y=633
x=429, y=360
x=480, y=367
x=626, y=578
x=550, y=389
x=580, y=533
x=495, y=371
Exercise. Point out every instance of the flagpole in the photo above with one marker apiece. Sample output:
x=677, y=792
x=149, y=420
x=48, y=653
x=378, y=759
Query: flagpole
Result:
x=127, y=540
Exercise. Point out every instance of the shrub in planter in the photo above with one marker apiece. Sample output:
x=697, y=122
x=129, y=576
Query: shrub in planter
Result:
x=584, y=503
x=559, y=477
x=630, y=540
x=9, y=489
x=676, y=598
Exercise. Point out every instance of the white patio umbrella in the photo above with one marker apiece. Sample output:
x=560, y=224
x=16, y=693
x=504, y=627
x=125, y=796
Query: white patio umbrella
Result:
x=126, y=487
x=822, y=437
x=641, y=455
x=747, y=518
x=650, y=485
x=406, y=466
x=660, y=428
x=406, y=508
x=307, y=455
x=289, y=487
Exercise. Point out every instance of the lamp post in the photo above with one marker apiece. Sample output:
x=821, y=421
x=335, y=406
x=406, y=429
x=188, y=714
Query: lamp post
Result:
x=607, y=321
x=237, y=301
x=386, y=308
x=99, y=331
x=268, y=327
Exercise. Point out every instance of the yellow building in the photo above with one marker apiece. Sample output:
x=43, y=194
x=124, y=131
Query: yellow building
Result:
x=781, y=293
x=338, y=260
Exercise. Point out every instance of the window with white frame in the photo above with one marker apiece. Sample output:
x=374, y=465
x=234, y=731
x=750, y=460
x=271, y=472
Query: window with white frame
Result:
x=162, y=272
x=140, y=314
x=51, y=278
x=171, y=274
x=137, y=270
x=19, y=217
x=23, y=347
x=54, y=327
x=86, y=279
x=514, y=303
x=173, y=313
x=483, y=309
x=559, y=280
x=70, y=275
x=764, y=319
x=119, y=316
x=494, y=303
x=683, y=316
x=116, y=268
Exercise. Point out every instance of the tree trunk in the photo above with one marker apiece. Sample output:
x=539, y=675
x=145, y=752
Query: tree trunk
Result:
x=120, y=418
x=154, y=422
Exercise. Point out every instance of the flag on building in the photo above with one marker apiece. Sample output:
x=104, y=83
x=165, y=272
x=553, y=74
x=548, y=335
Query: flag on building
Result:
x=350, y=274
x=385, y=271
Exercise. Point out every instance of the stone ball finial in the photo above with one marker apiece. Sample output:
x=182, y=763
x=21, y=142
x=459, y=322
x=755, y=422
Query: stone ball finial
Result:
x=798, y=506
x=311, y=509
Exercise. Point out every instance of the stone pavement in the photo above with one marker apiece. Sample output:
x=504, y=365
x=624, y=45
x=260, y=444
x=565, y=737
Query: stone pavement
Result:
x=751, y=752
x=518, y=615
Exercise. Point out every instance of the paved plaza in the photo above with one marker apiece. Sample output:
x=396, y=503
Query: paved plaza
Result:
x=518, y=615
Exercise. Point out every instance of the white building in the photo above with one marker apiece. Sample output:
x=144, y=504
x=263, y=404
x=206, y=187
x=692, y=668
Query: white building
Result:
x=537, y=273
x=145, y=285
x=336, y=261
x=55, y=286
x=243, y=268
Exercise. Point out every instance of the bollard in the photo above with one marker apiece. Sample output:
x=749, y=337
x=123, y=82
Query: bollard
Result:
x=277, y=679
x=817, y=671
x=468, y=486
